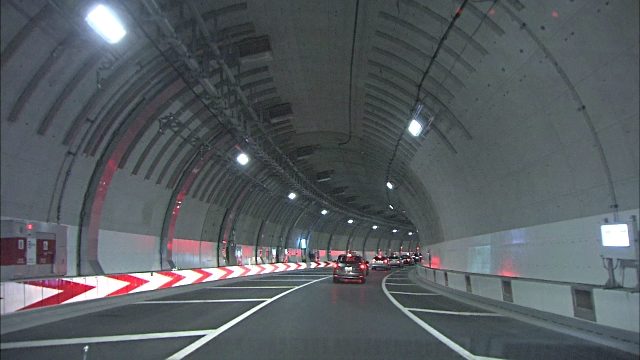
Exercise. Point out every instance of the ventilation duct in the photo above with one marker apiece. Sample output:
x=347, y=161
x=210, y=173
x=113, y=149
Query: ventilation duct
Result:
x=254, y=49
x=304, y=152
x=324, y=175
x=279, y=113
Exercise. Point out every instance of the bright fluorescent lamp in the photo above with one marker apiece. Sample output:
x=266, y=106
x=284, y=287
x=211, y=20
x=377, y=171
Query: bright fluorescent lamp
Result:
x=303, y=243
x=292, y=195
x=105, y=22
x=615, y=235
x=242, y=159
x=390, y=206
x=410, y=233
x=374, y=227
x=394, y=230
x=323, y=212
x=350, y=221
x=390, y=185
x=415, y=127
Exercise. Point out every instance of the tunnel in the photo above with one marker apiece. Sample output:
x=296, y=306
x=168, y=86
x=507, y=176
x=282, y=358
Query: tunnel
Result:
x=184, y=179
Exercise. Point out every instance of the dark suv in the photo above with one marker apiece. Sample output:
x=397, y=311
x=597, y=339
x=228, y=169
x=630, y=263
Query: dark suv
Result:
x=349, y=267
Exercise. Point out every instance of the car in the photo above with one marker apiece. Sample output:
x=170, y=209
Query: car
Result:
x=380, y=262
x=350, y=267
x=417, y=257
x=395, y=261
x=407, y=259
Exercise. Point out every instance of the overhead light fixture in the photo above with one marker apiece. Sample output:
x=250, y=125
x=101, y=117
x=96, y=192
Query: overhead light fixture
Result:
x=410, y=233
x=415, y=127
x=324, y=212
x=389, y=185
x=292, y=195
x=394, y=230
x=390, y=206
x=106, y=23
x=242, y=159
x=374, y=227
x=350, y=221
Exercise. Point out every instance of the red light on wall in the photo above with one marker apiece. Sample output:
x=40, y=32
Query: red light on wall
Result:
x=555, y=14
x=29, y=227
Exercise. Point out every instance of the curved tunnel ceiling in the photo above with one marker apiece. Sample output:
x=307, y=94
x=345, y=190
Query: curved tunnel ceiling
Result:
x=320, y=93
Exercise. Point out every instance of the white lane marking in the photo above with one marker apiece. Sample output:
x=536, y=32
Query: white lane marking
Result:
x=250, y=287
x=412, y=293
x=438, y=335
x=399, y=284
x=302, y=275
x=294, y=280
x=102, y=339
x=454, y=312
x=198, y=301
x=202, y=341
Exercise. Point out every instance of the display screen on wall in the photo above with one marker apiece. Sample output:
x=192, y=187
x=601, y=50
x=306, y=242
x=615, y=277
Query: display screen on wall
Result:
x=616, y=235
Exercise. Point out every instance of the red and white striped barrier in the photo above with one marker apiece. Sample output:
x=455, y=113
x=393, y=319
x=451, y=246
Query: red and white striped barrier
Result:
x=31, y=294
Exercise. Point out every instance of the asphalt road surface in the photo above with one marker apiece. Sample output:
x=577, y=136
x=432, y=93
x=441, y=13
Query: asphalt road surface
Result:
x=299, y=315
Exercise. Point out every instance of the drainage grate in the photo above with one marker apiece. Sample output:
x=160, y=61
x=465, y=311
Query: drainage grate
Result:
x=467, y=279
x=583, y=303
x=507, y=293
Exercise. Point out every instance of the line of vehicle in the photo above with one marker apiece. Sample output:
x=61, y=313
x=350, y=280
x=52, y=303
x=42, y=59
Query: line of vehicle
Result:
x=205, y=339
x=438, y=335
x=102, y=339
x=199, y=301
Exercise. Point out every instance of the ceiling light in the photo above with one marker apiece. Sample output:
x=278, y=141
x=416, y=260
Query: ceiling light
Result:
x=374, y=227
x=350, y=221
x=242, y=159
x=389, y=185
x=292, y=195
x=415, y=127
x=410, y=233
x=323, y=212
x=105, y=22
x=390, y=206
x=394, y=230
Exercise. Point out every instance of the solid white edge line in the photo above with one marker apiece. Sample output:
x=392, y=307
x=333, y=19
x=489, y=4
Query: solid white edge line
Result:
x=251, y=287
x=294, y=280
x=399, y=284
x=102, y=339
x=445, y=340
x=412, y=293
x=198, y=301
x=454, y=312
x=202, y=341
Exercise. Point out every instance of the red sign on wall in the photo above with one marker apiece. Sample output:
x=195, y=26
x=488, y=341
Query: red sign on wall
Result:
x=13, y=251
x=46, y=251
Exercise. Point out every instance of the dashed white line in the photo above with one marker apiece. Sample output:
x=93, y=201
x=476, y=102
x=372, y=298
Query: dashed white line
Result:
x=202, y=341
x=102, y=339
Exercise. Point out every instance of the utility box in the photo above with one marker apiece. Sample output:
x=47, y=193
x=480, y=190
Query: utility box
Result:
x=32, y=249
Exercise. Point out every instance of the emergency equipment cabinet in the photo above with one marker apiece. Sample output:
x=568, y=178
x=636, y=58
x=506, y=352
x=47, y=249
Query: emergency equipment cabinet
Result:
x=32, y=249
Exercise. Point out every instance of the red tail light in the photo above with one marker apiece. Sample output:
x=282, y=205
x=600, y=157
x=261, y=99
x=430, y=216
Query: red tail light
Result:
x=386, y=261
x=335, y=265
x=363, y=266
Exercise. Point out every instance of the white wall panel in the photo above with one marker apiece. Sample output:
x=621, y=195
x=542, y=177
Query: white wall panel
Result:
x=120, y=252
x=552, y=298
x=567, y=251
